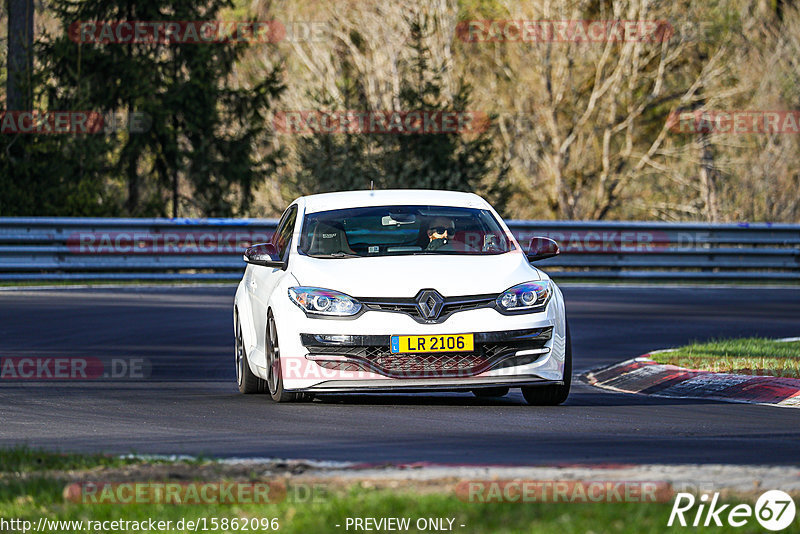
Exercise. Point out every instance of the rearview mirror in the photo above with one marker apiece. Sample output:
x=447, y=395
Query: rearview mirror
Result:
x=541, y=248
x=264, y=254
x=396, y=219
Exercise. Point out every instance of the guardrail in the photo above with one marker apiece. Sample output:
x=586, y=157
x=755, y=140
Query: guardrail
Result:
x=35, y=248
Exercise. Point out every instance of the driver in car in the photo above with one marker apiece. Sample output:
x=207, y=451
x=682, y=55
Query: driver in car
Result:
x=440, y=232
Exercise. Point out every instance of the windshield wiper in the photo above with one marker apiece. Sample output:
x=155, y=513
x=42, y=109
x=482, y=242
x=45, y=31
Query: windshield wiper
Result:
x=335, y=255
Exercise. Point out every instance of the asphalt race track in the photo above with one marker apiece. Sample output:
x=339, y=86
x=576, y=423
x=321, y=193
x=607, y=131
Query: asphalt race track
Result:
x=189, y=403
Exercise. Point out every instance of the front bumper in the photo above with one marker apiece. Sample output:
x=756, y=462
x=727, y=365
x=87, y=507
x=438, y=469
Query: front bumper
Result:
x=354, y=355
x=371, y=353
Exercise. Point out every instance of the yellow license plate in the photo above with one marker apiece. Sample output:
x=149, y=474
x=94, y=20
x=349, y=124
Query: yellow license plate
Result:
x=451, y=343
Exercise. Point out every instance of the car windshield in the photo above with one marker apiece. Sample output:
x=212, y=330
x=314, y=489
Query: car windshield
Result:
x=402, y=230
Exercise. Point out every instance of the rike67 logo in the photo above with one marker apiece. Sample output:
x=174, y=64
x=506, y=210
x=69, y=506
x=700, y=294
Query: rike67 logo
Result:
x=774, y=510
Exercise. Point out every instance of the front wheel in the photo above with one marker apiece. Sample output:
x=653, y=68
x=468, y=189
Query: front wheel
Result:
x=274, y=372
x=552, y=395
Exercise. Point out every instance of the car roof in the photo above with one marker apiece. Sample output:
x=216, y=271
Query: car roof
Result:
x=391, y=197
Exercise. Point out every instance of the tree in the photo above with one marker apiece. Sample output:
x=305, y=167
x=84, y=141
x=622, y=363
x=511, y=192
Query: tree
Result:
x=45, y=174
x=451, y=161
x=20, y=54
x=586, y=126
x=199, y=154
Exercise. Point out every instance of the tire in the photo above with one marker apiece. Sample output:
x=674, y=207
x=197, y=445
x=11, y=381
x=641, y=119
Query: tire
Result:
x=274, y=382
x=483, y=393
x=248, y=382
x=552, y=395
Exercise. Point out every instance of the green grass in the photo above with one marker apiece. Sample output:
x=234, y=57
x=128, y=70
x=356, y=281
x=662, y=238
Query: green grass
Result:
x=24, y=459
x=750, y=356
x=42, y=497
x=40, y=494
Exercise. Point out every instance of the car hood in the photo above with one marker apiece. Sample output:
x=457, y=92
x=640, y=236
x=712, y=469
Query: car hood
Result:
x=404, y=276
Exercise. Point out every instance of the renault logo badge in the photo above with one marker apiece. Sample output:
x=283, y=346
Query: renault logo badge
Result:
x=430, y=304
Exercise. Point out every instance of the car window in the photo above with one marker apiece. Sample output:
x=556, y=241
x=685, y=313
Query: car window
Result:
x=282, y=238
x=402, y=230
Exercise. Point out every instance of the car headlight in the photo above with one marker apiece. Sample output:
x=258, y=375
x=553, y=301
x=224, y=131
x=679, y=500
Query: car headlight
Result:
x=527, y=297
x=314, y=300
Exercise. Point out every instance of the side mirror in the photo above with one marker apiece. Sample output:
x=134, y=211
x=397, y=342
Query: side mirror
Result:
x=541, y=248
x=264, y=254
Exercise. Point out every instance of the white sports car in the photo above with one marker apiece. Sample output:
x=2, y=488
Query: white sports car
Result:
x=399, y=290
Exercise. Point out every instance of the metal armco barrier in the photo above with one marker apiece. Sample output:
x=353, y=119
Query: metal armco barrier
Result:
x=38, y=248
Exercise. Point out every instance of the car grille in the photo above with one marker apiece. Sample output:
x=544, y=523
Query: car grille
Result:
x=416, y=365
x=448, y=309
x=408, y=306
x=410, y=309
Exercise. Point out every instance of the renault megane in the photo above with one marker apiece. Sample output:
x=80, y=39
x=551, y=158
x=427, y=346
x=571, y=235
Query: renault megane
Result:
x=399, y=290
